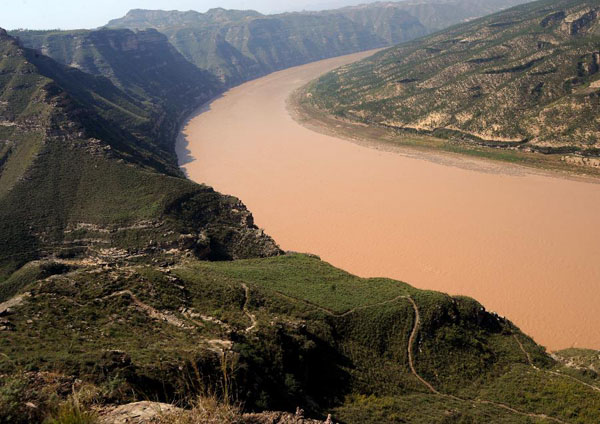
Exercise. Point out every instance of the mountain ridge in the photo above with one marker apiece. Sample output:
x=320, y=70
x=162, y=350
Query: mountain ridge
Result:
x=243, y=45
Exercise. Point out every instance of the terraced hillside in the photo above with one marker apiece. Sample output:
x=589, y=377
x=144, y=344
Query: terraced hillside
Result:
x=241, y=45
x=525, y=78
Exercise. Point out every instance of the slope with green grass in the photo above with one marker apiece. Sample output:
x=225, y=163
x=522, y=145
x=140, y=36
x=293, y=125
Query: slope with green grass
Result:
x=324, y=340
x=526, y=78
x=81, y=170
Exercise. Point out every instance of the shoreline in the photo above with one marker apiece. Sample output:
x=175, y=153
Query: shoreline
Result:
x=438, y=150
x=178, y=144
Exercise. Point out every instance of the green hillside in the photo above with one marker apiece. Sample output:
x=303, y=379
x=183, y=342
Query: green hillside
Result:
x=293, y=331
x=81, y=169
x=526, y=79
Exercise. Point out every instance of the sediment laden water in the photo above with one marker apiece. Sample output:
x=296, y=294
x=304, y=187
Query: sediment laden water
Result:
x=524, y=243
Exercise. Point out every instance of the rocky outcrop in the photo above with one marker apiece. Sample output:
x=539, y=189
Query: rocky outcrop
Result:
x=281, y=418
x=144, y=412
x=579, y=21
x=147, y=412
x=220, y=227
x=582, y=161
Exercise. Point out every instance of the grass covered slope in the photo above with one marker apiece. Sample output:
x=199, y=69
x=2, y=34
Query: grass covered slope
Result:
x=281, y=332
x=525, y=78
x=79, y=170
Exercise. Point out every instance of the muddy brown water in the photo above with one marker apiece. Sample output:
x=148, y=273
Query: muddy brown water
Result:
x=524, y=243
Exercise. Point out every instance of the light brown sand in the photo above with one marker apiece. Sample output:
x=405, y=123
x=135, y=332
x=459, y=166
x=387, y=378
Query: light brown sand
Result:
x=525, y=244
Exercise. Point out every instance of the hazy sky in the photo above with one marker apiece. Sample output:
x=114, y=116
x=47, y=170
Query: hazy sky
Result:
x=71, y=14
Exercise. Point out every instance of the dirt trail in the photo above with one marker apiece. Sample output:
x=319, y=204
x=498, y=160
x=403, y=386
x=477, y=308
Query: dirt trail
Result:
x=215, y=345
x=559, y=374
x=336, y=314
x=411, y=358
x=252, y=317
x=433, y=390
x=15, y=301
x=151, y=311
x=411, y=342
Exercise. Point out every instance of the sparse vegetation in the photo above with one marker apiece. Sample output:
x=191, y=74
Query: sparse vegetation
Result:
x=76, y=409
x=204, y=410
x=514, y=80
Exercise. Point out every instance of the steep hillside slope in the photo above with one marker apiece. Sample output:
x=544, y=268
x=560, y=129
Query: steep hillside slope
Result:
x=526, y=77
x=276, y=334
x=143, y=65
x=238, y=46
x=80, y=169
x=435, y=15
x=241, y=45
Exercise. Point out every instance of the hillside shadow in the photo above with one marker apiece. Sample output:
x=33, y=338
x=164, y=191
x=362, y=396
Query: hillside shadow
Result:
x=184, y=154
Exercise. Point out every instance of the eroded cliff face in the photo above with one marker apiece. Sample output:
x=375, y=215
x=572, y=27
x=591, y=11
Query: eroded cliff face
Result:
x=525, y=78
x=238, y=45
x=142, y=63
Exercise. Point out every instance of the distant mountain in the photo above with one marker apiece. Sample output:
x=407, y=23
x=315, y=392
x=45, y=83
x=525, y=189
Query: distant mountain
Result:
x=526, y=77
x=238, y=46
x=241, y=45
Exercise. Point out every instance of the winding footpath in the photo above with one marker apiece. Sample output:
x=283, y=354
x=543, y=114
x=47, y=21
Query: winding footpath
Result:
x=556, y=373
x=411, y=343
x=433, y=390
x=253, y=321
x=411, y=357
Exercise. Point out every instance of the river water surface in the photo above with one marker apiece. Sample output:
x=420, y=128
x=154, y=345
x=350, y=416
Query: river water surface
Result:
x=524, y=243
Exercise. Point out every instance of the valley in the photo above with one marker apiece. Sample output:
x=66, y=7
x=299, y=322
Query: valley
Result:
x=348, y=272
x=521, y=241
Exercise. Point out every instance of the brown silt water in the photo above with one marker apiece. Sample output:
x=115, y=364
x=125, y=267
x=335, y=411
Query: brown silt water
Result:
x=526, y=244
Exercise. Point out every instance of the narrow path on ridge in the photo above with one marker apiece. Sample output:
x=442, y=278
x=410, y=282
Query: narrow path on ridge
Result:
x=556, y=373
x=432, y=389
x=252, y=317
